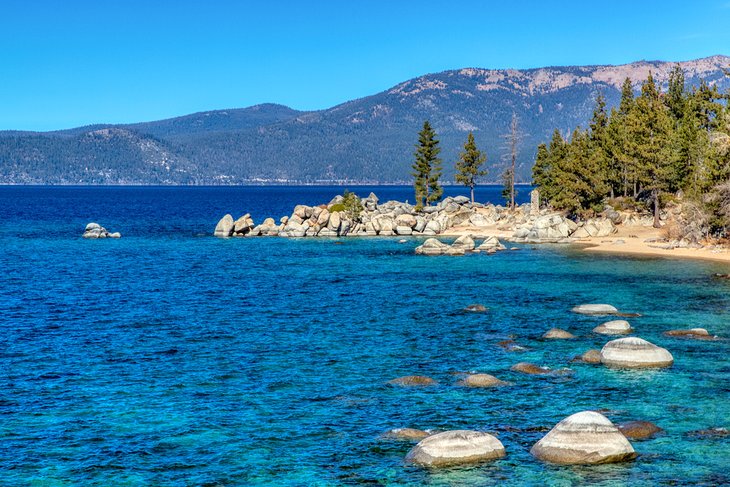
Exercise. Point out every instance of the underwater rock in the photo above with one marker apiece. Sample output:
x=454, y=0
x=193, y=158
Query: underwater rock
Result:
x=412, y=380
x=409, y=434
x=531, y=369
x=557, y=333
x=481, y=380
x=476, y=308
x=457, y=447
x=634, y=352
x=589, y=357
x=595, y=309
x=584, y=438
x=695, y=333
x=639, y=430
x=615, y=327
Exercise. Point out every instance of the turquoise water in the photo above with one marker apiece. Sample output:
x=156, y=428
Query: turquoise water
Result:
x=182, y=359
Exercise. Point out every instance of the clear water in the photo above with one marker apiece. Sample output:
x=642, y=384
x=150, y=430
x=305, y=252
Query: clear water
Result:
x=169, y=357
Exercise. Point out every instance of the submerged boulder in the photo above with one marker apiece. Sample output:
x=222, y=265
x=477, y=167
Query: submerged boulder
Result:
x=695, y=333
x=584, y=438
x=459, y=447
x=634, y=352
x=412, y=380
x=615, y=327
x=595, y=309
x=558, y=334
x=639, y=430
x=530, y=369
x=481, y=380
x=410, y=434
x=589, y=357
x=476, y=308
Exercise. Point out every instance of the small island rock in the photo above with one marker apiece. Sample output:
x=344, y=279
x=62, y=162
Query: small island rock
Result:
x=584, y=438
x=224, y=228
x=459, y=447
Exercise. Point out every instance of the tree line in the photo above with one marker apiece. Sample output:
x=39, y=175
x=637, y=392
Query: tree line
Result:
x=647, y=150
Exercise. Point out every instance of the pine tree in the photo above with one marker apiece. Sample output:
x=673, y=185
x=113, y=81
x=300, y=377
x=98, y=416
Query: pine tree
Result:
x=469, y=164
x=651, y=130
x=427, y=167
x=675, y=97
x=598, y=141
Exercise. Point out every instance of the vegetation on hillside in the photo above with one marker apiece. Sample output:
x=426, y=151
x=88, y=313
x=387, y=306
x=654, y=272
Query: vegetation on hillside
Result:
x=645, y=151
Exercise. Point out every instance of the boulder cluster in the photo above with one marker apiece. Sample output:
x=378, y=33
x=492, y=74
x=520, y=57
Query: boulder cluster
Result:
x=94, y=230
x=370, y=219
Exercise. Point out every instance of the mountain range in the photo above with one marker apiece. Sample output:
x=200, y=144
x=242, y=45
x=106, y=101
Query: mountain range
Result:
x=368, y=140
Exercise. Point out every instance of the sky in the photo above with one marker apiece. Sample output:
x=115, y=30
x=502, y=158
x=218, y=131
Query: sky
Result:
x=67, y=63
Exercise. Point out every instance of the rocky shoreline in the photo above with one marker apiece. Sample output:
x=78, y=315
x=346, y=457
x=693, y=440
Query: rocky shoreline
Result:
x=454, y=216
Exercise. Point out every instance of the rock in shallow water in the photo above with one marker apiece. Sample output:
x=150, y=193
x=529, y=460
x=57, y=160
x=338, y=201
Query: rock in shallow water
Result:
x=481, y=380
x=639, y=430
x=584, y=438
x=531, y=369
x=476, y=308
x=224, y=228
x=595, y=309
x=615, y=327
x=459, y=447
x=634, y=352
x=589, y=357
x=409, y=434
x=558, y=334
x=412, y=380
x=695, y=333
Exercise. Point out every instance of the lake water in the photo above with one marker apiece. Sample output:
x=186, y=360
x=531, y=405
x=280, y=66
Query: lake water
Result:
x=169, y=357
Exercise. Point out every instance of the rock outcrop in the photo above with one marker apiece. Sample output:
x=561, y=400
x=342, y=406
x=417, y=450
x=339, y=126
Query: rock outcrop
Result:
x=94, y=230
x=585, y=438
x=634, y=352
x=459, y=447
x=615, y=327
x=224, y=228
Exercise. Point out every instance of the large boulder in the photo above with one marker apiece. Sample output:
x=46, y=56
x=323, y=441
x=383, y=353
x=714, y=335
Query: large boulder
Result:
x=465, y=243
x=224, y=228
x=405, y=220
x=432, y=246
x=595, y=309
x=490, y=244
x=634, y=352
x=584, y=438
x=614, y=327
x=595, y=227
x=243, y=225
x=94, y=230
x=459, y=447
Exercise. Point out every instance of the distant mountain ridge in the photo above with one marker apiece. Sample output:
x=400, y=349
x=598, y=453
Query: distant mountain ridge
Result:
x=367, y=140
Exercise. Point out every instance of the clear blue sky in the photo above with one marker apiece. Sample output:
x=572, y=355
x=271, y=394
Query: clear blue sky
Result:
x=66, y=63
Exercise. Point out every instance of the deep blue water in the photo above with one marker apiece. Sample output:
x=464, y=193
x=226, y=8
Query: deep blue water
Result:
x=170, y=357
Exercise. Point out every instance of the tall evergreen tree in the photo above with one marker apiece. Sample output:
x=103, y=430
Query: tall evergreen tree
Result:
x=427, y=167
x=469, y=164
x=675, y=97
x=598, y=141
x=652, y=133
